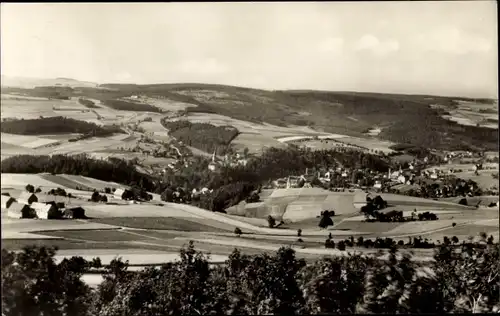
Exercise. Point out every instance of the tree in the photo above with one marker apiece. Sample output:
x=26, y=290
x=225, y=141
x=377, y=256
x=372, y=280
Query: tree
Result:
x=38, y=190
x=325, y=221
x=271, y=222
x=299, y=232
x=341, y=245
x=33, y=284
x=30, y=188
x=95, y=197
x=238, y=231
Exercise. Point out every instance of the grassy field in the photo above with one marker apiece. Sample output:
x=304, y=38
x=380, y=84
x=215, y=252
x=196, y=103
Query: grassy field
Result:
x=161, y=223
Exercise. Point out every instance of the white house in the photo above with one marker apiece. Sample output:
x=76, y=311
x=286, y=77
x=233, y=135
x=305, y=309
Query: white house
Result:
x=44, y=211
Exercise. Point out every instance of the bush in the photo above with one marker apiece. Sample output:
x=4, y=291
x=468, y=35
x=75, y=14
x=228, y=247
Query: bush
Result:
x=237, y=231
x=325, y=220
x=341, y=245
x=330, y=244
x=30, y=188
x=299, y=232
x=271, y=222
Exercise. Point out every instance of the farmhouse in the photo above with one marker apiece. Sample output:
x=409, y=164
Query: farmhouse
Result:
x=27, y=198
x=19, y=210
x=45, y=211
x=123, y=194
x=7, y=201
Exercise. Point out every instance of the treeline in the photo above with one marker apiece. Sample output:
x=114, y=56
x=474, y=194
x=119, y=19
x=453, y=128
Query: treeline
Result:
x=116, y=170
x=130, y=106
x=432, y=131
x=455, y=282
x=56, y=125
x=49, y=92
x=203, y=136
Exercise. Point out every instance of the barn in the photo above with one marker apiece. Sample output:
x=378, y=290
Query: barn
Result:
x=7, y=201
x=20, y=210
x=75, y=213
x=27, y=198
x=123, y=194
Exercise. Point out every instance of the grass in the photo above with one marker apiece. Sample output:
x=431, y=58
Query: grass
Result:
x=366, y=227
x=17, y=244
x=64, y=182
x=167, y=223
x=95, y=235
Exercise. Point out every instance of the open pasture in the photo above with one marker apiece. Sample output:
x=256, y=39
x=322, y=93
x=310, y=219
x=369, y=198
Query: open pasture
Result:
x=255, y=142
x=485, y=178
x=370, y=144
x=166, y=223
x=247, y=127
x=28, y=141
x=136, y=211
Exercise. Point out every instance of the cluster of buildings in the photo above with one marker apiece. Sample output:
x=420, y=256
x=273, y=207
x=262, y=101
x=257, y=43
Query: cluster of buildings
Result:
x=27, y=205
x=228, y=160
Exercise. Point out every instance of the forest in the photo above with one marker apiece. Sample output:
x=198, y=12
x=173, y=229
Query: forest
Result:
x=130, y=106
x=203, y=136
x=56, y=125
x=459, y=279
x=116, y=170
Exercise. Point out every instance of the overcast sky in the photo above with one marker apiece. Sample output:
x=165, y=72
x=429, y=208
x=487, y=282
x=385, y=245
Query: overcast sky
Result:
x=445, y=47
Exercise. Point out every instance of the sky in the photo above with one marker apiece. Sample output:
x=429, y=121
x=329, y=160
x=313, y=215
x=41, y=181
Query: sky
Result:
x=447, y=48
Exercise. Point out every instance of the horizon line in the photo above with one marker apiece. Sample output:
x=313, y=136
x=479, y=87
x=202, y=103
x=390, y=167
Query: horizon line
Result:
x=253, y=88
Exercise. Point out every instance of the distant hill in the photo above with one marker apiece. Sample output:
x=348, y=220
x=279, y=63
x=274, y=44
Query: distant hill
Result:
x=30, y=83
x=402, y=118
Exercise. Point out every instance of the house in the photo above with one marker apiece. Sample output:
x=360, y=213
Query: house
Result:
x=75, y=213
x=45, y=211
x=123, y=194
x=20, y=210
x=27, y=198
x=7, y=201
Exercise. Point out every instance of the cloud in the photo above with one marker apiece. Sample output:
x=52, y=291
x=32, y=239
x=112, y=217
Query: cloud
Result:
x=453, y=41
x=372, y=43
x=203, y=67
x=331, y=45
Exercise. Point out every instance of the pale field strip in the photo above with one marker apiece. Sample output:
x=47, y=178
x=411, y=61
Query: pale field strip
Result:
x=137, y=210
x=19, y=235
x=38, y=225
x=139, y=258
x=20, y=179
x=425, y=226
x=26, y=140
x=489, y=222
x=16, y=97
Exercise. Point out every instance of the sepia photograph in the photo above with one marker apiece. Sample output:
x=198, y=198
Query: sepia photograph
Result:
x=249, y=158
